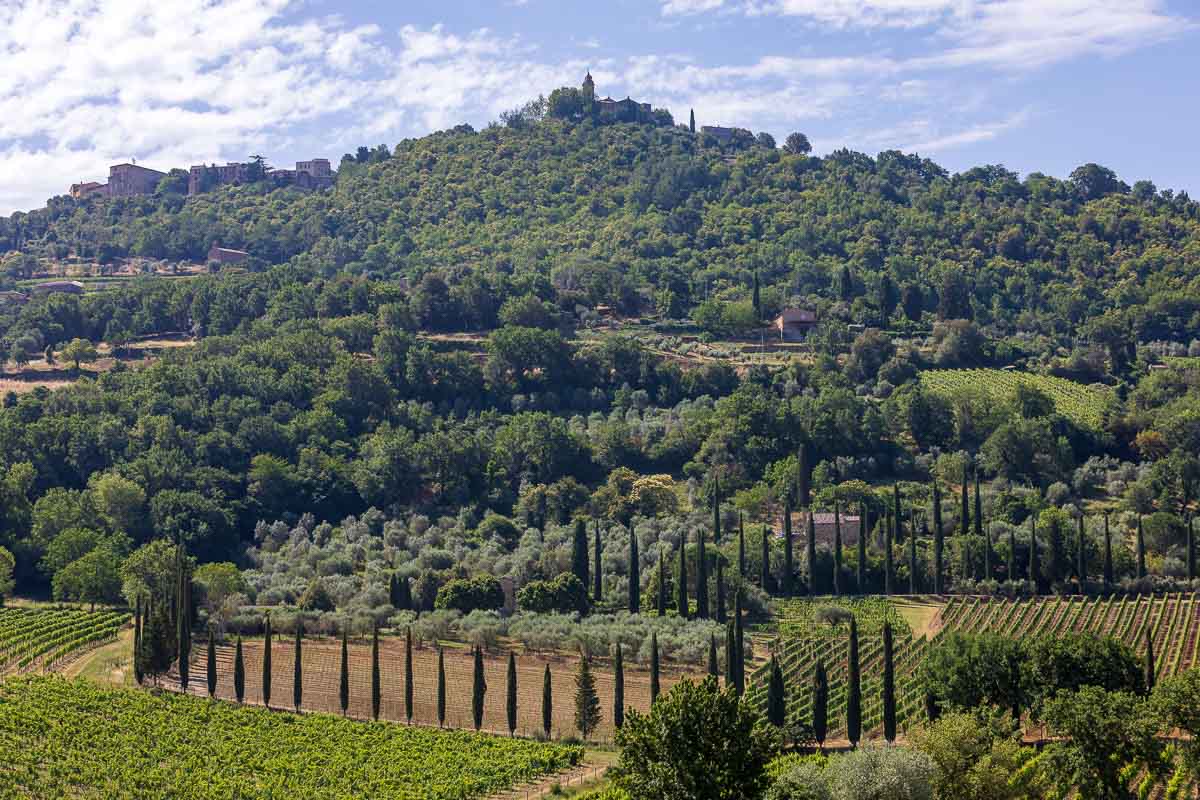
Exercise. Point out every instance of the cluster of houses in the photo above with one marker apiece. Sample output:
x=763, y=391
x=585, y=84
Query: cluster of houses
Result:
x=133, y=180
x=49, y=287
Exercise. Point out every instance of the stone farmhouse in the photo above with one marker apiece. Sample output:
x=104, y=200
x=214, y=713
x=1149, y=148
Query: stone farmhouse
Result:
x=124, y=180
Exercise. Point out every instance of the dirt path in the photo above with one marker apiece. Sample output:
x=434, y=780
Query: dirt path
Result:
x=109, y=663
x=588, y=772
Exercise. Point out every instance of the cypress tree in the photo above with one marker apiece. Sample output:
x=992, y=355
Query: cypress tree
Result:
x=932, y=711
x=897, y=513
x=939, y=542
x=376, y=683
x=1141, y=550
x=441, y=687
x=597, y=583
x=721, y=614
x=344, y=677
x=137, y=640
x=741, y=545
x=1150, y=669
x=681, y=588
x=547, y=702
x=776, y=696
x=1081, y=556
x=298, y=669
x=406, y=600
x=730, y=648
x=587, y=702
x=764, y=580
x=212, y=662
x=714, y=668
x=618, y=688
x=1012, y=552
x=1108, y=561
x=635, y=574
x=889, y=686
x=788, y=566
x=1191, y=549
x=805, y=477
x=266, y=662
x=888, y=569
x=579, y=552
x=662, y=586
x=837, y=548
x=756, y=297
x=716, y=504
x=820, y=703
x=1035, y=565
x=653, y=667
x=739, y=646
x=692, y=121
x=478, y=690
x=408, y=675
x=862, y=549
x=701, y=575
x=239, y=672
x=964, y=512
x=853, y=689
x=978, y=506
x=511, y=694
x=811, y=554
x=912, y=562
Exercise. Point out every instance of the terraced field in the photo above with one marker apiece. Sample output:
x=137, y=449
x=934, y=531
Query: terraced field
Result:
x=1082, y=404
x=46, y=637
x=1173, y=622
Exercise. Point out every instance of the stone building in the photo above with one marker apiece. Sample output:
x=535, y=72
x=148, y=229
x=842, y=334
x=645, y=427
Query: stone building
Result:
x=314, y=174
x=226, y=257
x=130, y=180
x=793, y=324
x=82, y=190
x=627, y=109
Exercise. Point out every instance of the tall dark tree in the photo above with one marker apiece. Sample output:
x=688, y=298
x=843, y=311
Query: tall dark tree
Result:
x=837, y=549
x=692, y=120
x=788, y=565
x=266, y=662
x=701, y=575
x=1141, y=549
x=681, y=588
x=183, y=621
x=716, y=510
x=810, y=556
x=400, y=592
x=939, y=542
x=212, y=662
x=547, y=702
x=239, y=672
x=408, y=675
x=478, y=690
x=654, y=667
x=1108, y=557
x=964, y=511
x=714, y=667
x=1151, y=671
x=820, y=703
x=618, y=688
x=344, y=677
x=853, y=688
x=156, y=646
x=137, y=640
x=888, y=568
x=756, y=298
x=1081, y=555
x=579, y=552
x=1191, y=549
x=587, y=701
x=1035, y=563
x=741, y=546
x=730, y=649
x=978, y=507
x=635, y=574
x=889, y=685
x=805, y=477
x=376, y=678
x=662, y=586
x=898, y=513
x=597, y=575
x=764, y=580
x=441, y=687
x=912, y=562
x=511, y=694
x=298, y=668
x=776, y=696
x=739, y=646
x=861, y=577
x=721, y=613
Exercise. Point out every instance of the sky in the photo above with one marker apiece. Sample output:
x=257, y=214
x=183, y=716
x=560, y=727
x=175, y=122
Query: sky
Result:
x=1035, y=85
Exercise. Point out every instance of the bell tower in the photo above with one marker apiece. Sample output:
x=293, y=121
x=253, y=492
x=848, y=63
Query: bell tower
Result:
x=589, y=89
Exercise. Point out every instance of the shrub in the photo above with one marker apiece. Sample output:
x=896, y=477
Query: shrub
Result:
x=564, y=594
x=470, y=594
x=805, y=779
x=315, y=597
x=881, y=773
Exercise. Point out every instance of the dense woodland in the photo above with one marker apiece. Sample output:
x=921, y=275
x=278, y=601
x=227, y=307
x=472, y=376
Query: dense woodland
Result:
x=321, y=427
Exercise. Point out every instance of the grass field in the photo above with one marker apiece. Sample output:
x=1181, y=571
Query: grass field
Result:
x=1082, y=404
x=76, y=739
x=322, y=667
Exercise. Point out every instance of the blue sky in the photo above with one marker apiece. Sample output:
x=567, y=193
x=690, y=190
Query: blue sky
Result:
x=1037, y=85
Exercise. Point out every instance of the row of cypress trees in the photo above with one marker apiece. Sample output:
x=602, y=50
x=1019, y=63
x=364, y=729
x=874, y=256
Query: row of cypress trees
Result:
x=777, y=692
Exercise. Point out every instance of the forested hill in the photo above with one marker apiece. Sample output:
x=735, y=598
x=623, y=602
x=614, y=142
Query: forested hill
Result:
x=636, y=215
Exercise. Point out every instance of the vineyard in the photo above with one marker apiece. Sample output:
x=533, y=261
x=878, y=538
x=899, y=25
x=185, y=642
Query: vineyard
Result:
x=1082, y=404
x=1173, y=623
x=131, y=743
x=46, y=637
